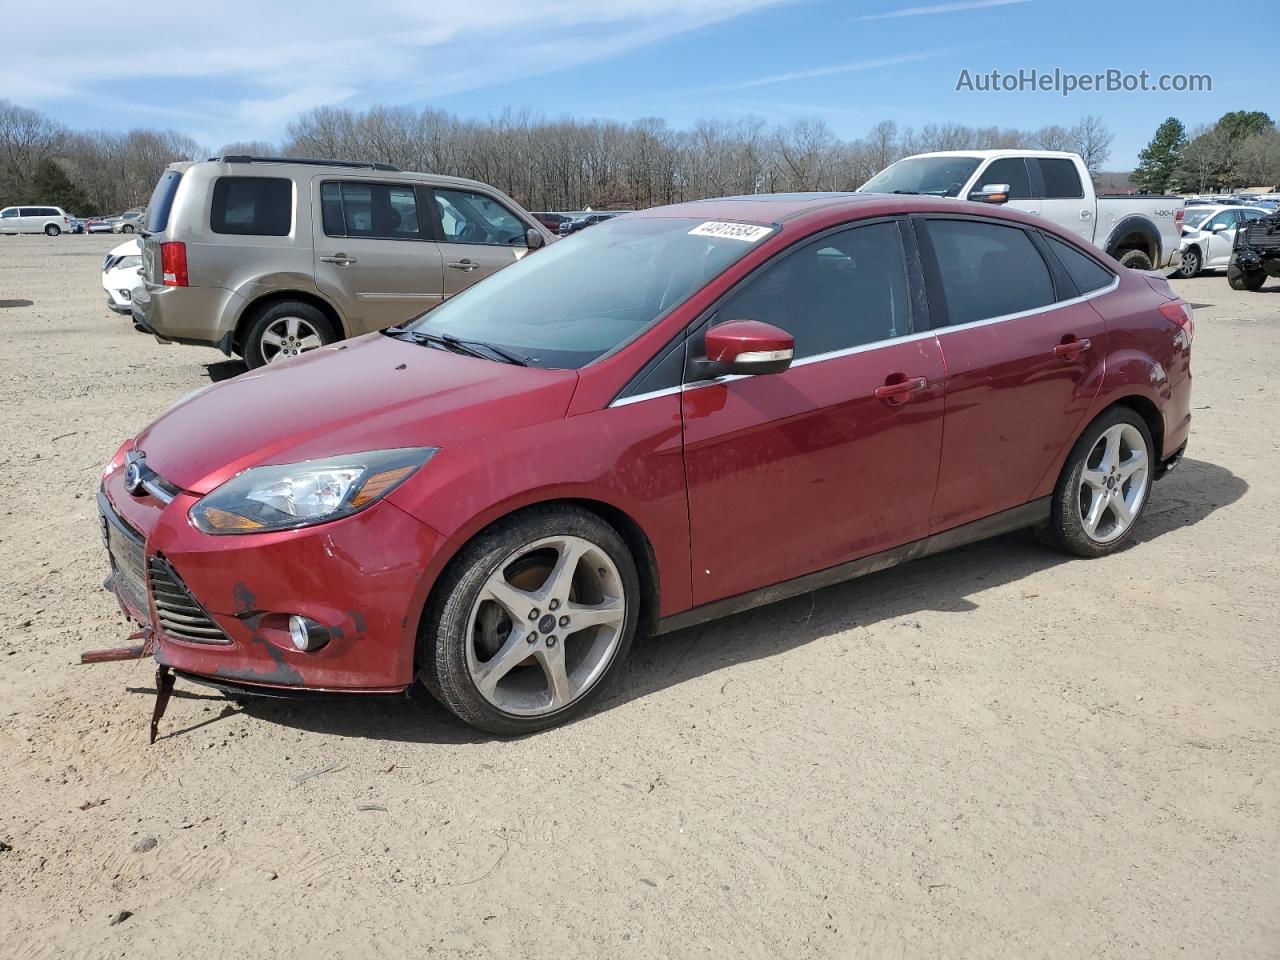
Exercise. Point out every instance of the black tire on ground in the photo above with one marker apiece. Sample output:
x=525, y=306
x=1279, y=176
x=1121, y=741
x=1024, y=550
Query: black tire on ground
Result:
x=1190, y=264
x=443, y=639
x=52, y=230
x=1135, y=260
x=1246, y=280
x=252, y=347
x=127, y=228
x=1065, y=528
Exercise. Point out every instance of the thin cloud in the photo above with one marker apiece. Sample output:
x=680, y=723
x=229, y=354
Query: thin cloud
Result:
x=835, y=69
x=941, y=8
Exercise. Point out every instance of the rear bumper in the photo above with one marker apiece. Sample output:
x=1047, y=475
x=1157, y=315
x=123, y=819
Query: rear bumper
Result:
x=363, y=578
x=192, y=315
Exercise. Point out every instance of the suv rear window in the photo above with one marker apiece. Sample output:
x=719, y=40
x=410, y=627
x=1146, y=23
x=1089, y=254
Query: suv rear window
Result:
x=252, y=206
x=988, y=270
x=161, y=201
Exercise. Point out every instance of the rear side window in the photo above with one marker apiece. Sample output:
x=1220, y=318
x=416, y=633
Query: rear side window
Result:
x=842, y=291
x=380, y=211
x=252, y=206
x=1061, y=179
x=161, y=201
x=988, y=270
x=1013, y=171
x=1088, y=274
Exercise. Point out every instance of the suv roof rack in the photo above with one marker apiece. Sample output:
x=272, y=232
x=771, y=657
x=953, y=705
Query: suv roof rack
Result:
x=245, y=158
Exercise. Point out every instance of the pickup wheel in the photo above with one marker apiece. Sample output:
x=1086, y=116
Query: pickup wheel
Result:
x=1135, y=260
x=1251, y=280
x=1190, y=264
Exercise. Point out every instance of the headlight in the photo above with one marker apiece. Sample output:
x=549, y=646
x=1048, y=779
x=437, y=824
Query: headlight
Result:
x=267, y=499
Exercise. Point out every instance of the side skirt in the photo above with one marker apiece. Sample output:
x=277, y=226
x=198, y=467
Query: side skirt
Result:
x=1007, y=521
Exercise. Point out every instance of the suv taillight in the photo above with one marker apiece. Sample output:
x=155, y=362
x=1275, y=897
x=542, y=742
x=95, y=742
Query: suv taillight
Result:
x=173, y=264
x=1179, y=311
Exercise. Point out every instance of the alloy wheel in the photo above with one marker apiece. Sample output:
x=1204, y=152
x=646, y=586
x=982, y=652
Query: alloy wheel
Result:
x=545, y=626
x=1190, y=263
x=288, y=337
x=1114, y=483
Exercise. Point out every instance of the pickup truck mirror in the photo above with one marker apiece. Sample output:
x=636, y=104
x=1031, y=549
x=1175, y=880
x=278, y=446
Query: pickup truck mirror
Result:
x=991, y=193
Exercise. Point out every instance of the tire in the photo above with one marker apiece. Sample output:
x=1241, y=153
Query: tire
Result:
x=296, y=326
x=1251, y=280
x=126, y=229
x=509, y=692
x=1135, y=260
x=1069, y=526
x=52, y=230
x=1190, y=265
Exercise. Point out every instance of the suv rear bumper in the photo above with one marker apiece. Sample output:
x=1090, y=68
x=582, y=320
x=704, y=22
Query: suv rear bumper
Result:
x=194, y=315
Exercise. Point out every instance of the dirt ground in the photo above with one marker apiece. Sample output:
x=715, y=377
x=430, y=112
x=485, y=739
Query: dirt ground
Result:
x=997, y=752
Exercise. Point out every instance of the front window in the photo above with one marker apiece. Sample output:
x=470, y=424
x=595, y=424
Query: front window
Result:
x=590, y=293
x=934, y=176
x=467, y=217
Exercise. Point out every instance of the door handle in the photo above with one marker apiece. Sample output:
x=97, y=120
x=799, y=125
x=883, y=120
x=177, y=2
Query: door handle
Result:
x=1072, y=349
x=466, y=266
x=341, y=259
x=1086, y=214
x=900, y=391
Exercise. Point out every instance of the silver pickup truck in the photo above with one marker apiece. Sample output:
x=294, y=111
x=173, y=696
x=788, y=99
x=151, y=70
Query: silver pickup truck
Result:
x=1142, y=232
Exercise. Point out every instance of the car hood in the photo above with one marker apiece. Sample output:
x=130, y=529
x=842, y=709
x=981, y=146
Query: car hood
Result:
x=372, y=393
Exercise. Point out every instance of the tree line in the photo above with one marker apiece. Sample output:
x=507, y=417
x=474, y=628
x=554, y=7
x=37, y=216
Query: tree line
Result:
x=1241, y=149
x=546, y=164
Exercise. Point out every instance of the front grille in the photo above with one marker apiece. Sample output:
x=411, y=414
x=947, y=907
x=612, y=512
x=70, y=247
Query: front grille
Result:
x=1263, y=234
x=178, y=613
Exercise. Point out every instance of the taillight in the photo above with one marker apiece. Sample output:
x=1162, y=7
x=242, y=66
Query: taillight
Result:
x=173, y=264
x=1179, y=311
x=1178, y=217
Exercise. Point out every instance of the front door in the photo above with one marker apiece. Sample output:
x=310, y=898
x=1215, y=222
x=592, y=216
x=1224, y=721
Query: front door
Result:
x=794, y=472
x=10, y=220
x=1222, y=237
x=479, y=236
x=1023, y=364
x=375, y=254
x=1014, y=172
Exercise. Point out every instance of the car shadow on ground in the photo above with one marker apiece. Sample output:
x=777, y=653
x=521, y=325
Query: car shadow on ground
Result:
x=945, y=582
x=224, y=370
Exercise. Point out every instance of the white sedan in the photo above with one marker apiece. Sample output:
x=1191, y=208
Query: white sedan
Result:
x=120, y=277
x=1209, y=233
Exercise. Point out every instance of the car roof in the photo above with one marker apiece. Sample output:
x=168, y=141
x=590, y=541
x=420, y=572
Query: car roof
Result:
x=989, y=154
x=247, y=168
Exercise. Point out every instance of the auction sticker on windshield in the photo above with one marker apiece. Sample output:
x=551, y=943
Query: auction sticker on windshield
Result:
x=747, y=232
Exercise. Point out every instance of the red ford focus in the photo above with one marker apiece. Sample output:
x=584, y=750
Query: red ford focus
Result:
x=673, y=416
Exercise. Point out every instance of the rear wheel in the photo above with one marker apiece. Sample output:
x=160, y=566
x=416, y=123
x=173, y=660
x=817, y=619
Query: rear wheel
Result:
x=530, y=620
x=1104, y=485
x=127, y=228
x=1190, y=264
x=284, y=330
x=52, y=230
x=1246, y=279
x=1135, y=260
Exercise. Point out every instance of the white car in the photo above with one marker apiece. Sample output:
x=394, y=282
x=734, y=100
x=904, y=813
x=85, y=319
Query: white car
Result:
x=47, y=220
x=120, y=275
x=1209, y=234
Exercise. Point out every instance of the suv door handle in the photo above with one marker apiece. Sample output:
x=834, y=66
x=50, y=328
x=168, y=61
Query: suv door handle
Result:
x=466, y=266
x=901, y=390
x=1072, y=349
x=341, y=259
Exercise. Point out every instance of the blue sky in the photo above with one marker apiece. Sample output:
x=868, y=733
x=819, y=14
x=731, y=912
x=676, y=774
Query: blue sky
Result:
x=241, y=69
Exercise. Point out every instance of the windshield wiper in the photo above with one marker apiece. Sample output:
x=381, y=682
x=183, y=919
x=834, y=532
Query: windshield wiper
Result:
x=458, y=345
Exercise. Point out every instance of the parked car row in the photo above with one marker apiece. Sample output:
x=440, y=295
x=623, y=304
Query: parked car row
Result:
x=621, y=433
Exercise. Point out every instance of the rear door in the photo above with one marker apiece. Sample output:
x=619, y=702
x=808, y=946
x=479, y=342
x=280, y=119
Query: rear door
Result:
x=794, y=472
x=478, y=234
x=1056, y=180
x=376, y=254
x=1024, y=358
x=1014, y=172
x=29, y=220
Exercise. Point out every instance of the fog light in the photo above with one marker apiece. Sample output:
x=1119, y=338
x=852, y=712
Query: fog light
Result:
x=307, y=635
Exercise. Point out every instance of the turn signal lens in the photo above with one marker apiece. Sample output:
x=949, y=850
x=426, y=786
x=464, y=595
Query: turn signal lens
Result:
x=380, y=483
x=225, y=522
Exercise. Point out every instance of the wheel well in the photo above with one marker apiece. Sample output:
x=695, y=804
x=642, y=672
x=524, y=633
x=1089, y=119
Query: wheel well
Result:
x=630, y=531
x=1150, y=413
x=1134, y=237
x=255, y=309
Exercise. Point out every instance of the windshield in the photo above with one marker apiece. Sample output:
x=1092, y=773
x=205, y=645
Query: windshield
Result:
x=581, y=297
x=936, y=176
x=1197, y=215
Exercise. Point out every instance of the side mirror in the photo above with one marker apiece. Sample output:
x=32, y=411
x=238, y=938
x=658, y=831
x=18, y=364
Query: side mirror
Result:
x=991, y=193
x=749, y=346
x=533, y=239
x=1219, y=227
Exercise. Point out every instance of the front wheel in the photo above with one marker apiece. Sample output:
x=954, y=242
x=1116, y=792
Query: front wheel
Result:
x=1251, y=280
x=285, y=330
x=1190, y=264
x=52, y=230
x=1104, y=485
x=1135, y=260
x=126, y=229
x=530, y=620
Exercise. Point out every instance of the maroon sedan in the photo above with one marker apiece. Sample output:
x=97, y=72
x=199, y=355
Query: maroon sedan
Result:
x=675, y=415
